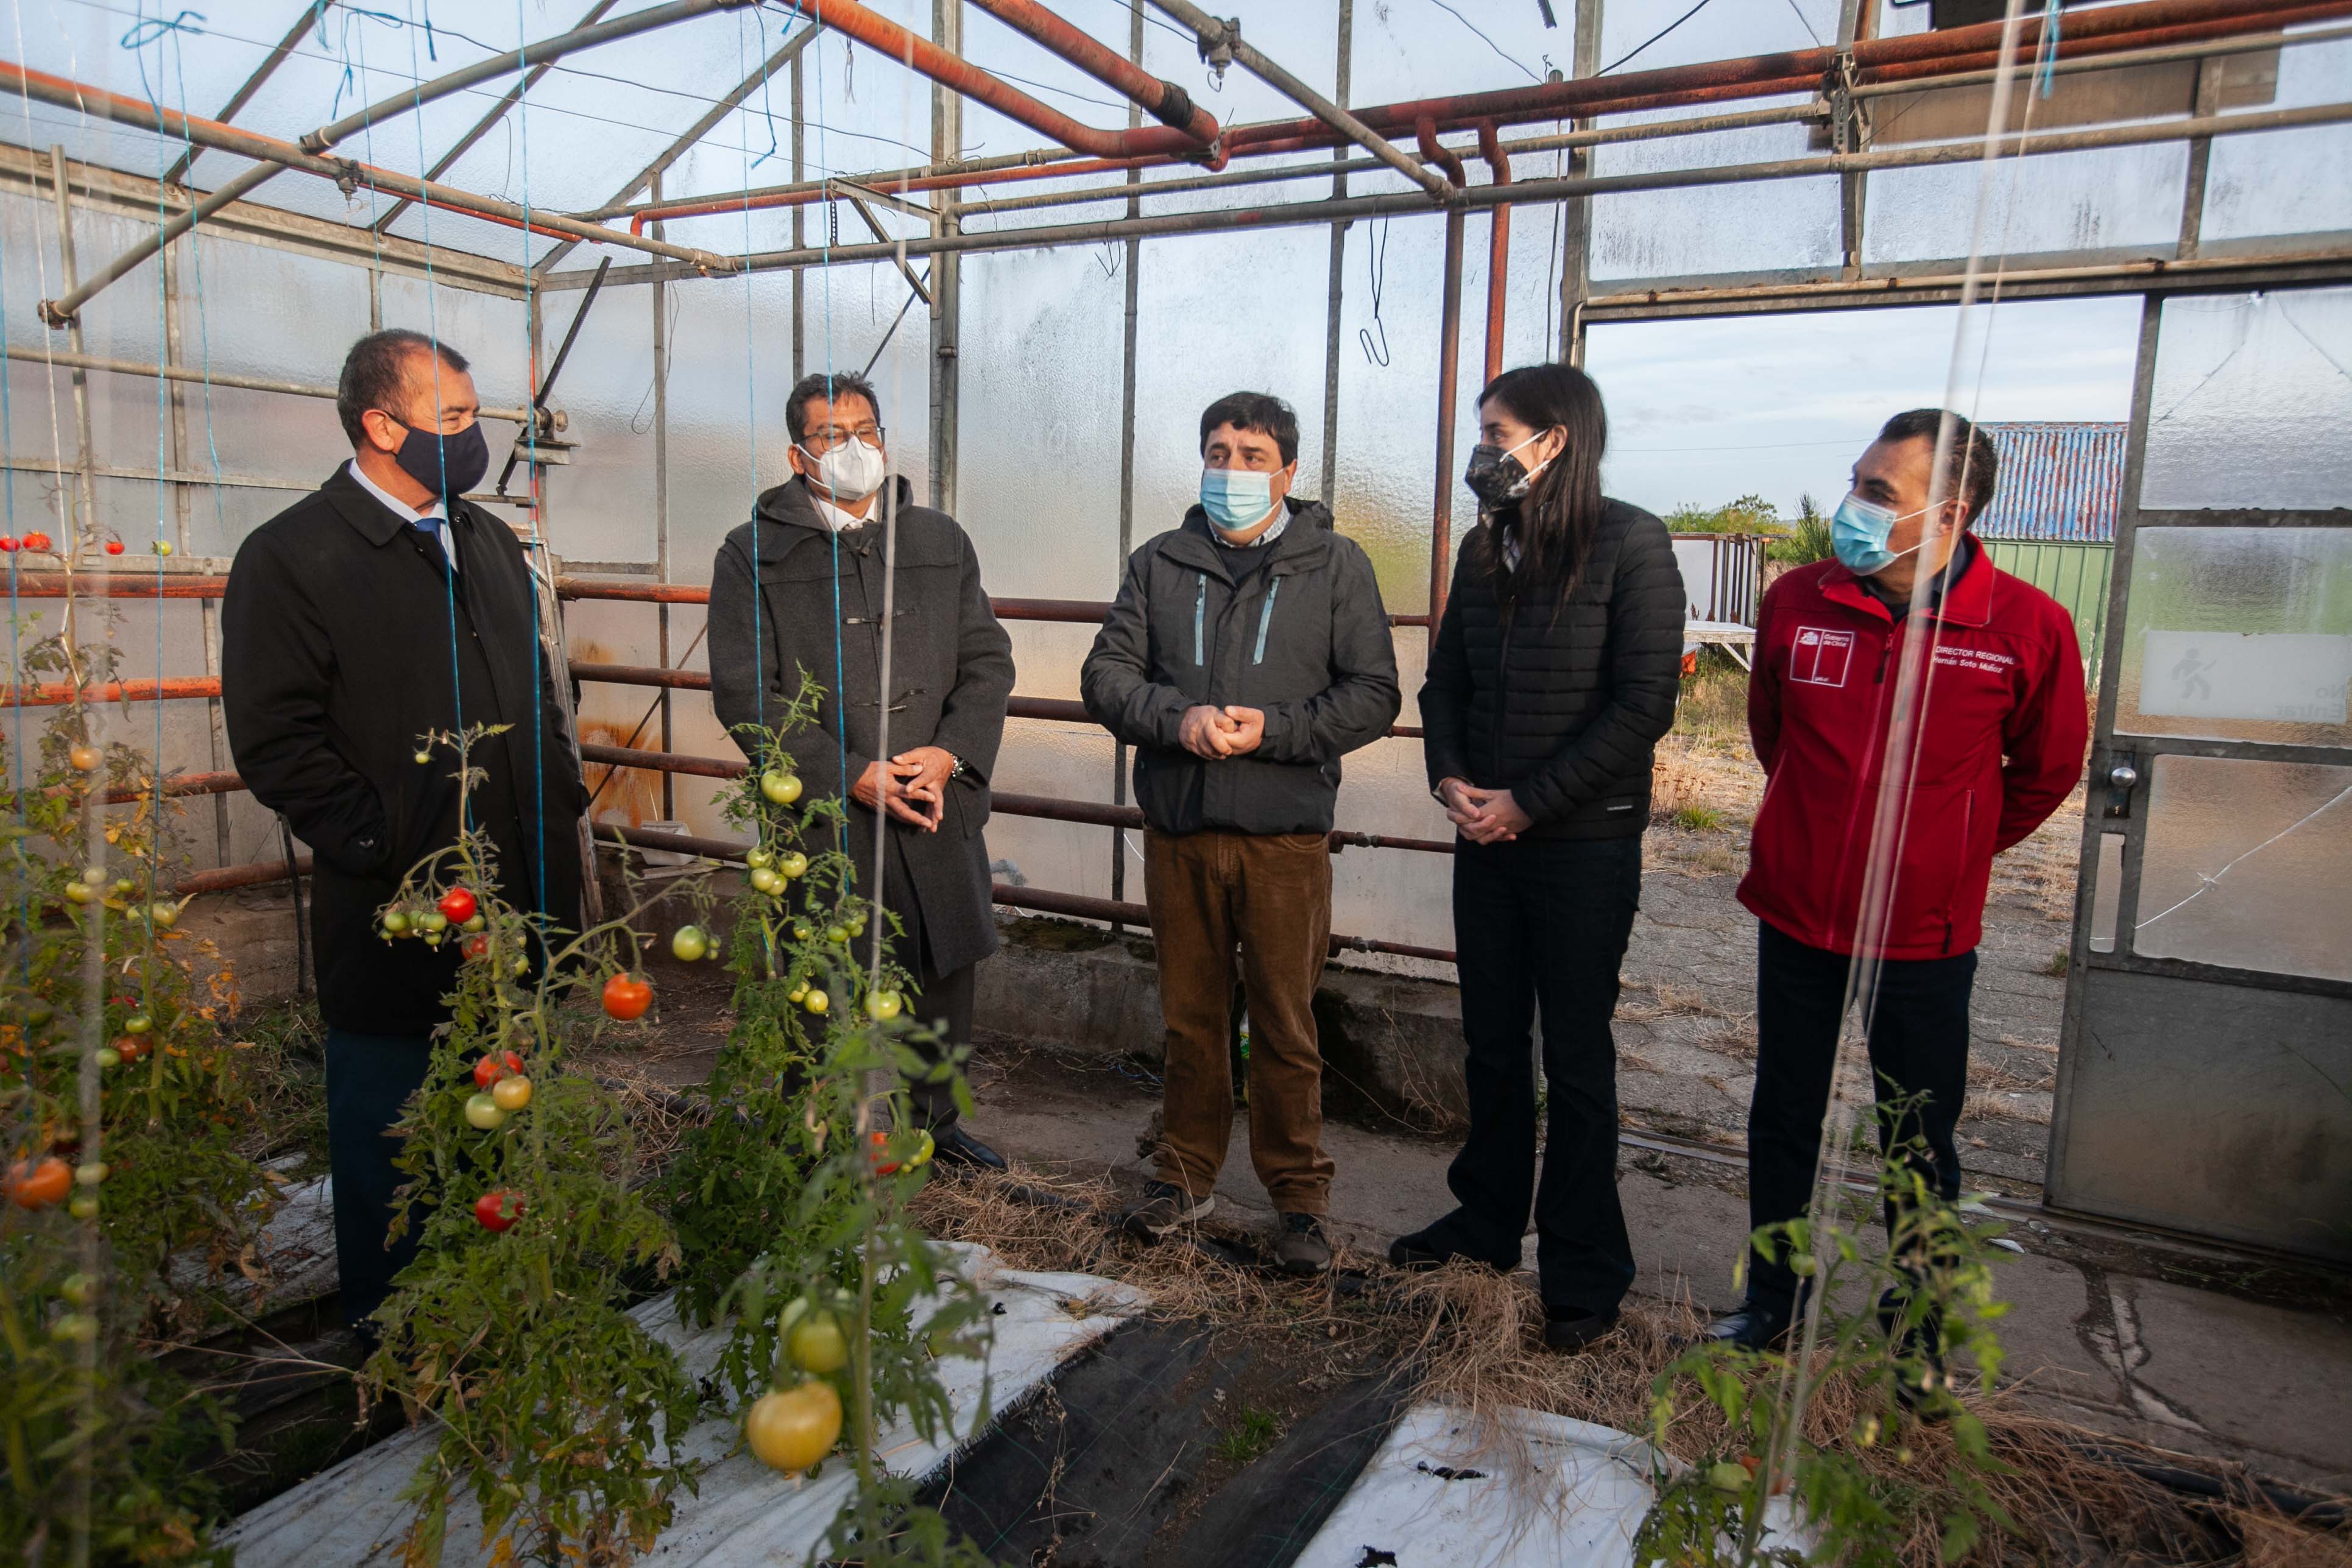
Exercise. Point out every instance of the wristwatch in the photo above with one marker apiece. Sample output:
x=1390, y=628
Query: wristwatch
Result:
x=956, y=772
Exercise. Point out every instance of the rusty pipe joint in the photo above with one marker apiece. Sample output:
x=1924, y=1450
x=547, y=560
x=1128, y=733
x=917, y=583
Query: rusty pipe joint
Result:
x=1432, y=151
x=1216, y=39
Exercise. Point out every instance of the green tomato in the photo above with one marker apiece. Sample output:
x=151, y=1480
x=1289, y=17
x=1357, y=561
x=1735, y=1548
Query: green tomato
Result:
x=1726, y=1476
x=836, y=934
x=817, y=1344
x=801, y=930
x=121, y=886
x=80, y=892
x=857, y=928
x=137, y=1023
x=422, y=758
x=783, y=788
x=759, y=858
x=816, y=1002
x=483, y=1112
x=84, y=1207
x=107, y=1056
x=90, y=1174
x=767, y=881
x=688, y=943
x=95, y=876
x=164, y=916
x=74, y=1328
x=434, y=920
x=395, y=923
x=80, y=1289
x=884, y=1005
x=793, y=865
x=795, y=995
x=478, y=923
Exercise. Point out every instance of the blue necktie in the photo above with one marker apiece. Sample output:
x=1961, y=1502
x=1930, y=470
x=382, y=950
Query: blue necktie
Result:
x=432, y=529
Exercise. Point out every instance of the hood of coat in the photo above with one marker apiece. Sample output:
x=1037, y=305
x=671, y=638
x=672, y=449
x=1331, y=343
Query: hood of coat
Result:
x=1307, y=536
x=791, y=505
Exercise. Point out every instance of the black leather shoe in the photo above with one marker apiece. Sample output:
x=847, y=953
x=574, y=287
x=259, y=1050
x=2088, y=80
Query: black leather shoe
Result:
x=1422, y=1250
x=1754, y=1327
x=959, y=1148
x=1575, y=1331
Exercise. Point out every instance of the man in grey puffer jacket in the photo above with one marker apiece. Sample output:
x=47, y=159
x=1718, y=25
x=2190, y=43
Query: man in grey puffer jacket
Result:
x=1247, y=652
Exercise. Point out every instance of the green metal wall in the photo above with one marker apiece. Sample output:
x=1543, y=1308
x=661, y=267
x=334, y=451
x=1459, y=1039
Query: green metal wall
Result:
x=2073, y=574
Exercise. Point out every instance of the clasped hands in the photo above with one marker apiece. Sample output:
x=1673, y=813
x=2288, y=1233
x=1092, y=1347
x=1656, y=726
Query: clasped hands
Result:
x=912, y=786
x=1484, y=816
x=1213, y=732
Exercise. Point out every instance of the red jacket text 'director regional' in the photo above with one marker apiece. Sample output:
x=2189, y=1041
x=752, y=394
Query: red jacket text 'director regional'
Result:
x=2001, y=744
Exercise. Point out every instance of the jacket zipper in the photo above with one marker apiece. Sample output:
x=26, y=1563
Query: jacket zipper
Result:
x=1199, y=611
x=1266, y=619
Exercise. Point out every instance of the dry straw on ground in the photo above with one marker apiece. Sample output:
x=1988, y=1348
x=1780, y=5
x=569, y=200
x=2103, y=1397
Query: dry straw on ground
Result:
x=1470, y=1339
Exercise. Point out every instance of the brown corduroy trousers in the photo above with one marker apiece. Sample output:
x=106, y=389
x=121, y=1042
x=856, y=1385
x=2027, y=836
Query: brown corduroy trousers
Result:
x=1257, y=906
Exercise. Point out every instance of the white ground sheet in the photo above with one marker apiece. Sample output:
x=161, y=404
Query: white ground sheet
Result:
x=1552, y=1493
x=745, y=1513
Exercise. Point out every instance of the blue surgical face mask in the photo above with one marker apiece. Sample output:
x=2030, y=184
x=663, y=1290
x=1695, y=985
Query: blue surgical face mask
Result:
x=1237, y=500
x=1858, y=533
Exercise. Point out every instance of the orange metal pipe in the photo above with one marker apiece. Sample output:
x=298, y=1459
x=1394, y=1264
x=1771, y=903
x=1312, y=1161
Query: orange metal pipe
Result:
x=1115, y=71
x=1499, y=247
x=57, y=694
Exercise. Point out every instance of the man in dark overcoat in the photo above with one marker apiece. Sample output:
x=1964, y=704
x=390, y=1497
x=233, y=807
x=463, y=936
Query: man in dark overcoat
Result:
x=800, y=588
x=378, y=609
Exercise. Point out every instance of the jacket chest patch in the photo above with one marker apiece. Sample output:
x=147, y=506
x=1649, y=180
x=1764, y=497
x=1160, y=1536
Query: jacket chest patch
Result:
x=1991, y=661
x=1821, y=657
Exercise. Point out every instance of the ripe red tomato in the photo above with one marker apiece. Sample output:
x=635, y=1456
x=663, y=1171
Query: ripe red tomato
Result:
x=36, y=541
x=8, y=542
x=459, y=905
x=627, y=997
x=37, y=1183
x=477, y=946
x=114, y=547
x=491, y=1069
x=130, y=1047
x=499, y=1209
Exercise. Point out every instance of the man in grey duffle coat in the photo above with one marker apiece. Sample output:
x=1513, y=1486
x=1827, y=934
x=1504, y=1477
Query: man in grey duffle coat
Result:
x=800, y=586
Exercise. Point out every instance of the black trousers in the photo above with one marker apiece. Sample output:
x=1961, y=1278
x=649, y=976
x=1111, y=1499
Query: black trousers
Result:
x=1543, y=920
x=941, y=998
x=1917, y=1029
x=369, y=1080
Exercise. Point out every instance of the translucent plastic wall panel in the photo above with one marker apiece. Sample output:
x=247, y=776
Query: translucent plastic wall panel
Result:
x=2284, y=182
x=2252, y=401
x=1224, y=312
x=1046, y=655
x=2248, y=864
x=851, y=310
x=2239, y=634
x=491, y=331
x=1388, y=402
x=1701, y=412
x=1037, y=482
x=601, y=504
x=2108, y=202
x=1071, y=762
x=730, y=372
x=1783, y=226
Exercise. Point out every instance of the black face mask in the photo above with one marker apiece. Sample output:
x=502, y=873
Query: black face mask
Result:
x=1495, y=476
x=448, y=466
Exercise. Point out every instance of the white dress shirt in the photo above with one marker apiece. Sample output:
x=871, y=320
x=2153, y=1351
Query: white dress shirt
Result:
x=839, y=519
x=431, y=522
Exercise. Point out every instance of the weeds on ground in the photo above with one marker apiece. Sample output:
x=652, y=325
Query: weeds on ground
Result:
x=1254, y=1431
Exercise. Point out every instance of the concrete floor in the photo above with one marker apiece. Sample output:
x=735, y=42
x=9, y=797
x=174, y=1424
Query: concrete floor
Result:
x=2125, y=1333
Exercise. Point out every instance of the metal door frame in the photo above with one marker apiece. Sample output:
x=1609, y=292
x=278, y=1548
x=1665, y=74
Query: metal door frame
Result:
x=2105, y=751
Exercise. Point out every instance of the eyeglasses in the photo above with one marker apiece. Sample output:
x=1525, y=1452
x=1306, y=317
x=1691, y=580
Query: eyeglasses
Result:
x=823, y=440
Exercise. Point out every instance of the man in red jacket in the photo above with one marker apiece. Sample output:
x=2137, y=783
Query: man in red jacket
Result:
x=1998, y=745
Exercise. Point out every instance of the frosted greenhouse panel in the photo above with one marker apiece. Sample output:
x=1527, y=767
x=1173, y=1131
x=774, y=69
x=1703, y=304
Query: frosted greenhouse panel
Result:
x=2251, y=401
x=2248, y=864
x=1071, y=761
x=731, y=368
x=2294, y=182
x=1388, y=401
x=2239, y=634
x=1776, y=226
x=601, y=505
x=2103, y=203
x=1037, y=480
x=1227, y=313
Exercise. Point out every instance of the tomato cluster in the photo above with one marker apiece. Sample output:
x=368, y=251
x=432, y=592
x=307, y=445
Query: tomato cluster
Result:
x=432, y=922
x=793, y=1429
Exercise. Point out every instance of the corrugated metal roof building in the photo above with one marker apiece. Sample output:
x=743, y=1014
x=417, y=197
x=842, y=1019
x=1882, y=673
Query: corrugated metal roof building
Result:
x=2058, y=481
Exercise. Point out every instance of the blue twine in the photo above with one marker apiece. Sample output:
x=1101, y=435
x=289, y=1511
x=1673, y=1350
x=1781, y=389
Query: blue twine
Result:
x=2049, y=46
x=530, y=438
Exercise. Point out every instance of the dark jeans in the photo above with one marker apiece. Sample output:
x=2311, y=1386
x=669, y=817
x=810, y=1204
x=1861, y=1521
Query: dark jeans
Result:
x=369, y=1080
x=1918, y=1027
x=941, y=998
x=1543, y=920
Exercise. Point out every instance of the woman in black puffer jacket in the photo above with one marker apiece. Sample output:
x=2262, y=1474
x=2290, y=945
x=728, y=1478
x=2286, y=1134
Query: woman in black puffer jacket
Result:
x=1553, y=674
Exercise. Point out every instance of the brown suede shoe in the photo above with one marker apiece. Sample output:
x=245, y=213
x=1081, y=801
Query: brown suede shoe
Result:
x=1300, y=1246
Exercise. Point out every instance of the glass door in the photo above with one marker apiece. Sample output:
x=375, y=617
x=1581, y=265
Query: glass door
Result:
x=2205, y=1073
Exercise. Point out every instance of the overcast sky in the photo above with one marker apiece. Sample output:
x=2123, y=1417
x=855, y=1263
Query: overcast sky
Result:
x=1702, y=411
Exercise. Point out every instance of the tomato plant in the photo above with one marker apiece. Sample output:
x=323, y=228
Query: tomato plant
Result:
x=554, y=1410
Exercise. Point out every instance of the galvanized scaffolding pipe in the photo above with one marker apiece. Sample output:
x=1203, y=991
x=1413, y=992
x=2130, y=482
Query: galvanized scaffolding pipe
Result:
x=1449, y=369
